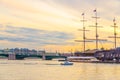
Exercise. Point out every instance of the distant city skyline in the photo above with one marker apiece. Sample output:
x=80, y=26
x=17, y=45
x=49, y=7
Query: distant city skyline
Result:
x=53, y=24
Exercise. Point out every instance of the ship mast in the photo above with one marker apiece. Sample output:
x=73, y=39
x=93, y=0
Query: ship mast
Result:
x=96, y=29
x=115, y=33
x=115, y=30
x=84, y=34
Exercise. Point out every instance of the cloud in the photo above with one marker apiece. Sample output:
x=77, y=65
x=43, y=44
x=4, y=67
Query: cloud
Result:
x=41, y=37
x=38, y=12
x=59, y=16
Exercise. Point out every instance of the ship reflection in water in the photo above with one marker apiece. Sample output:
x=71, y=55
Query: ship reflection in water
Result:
x=38, y=70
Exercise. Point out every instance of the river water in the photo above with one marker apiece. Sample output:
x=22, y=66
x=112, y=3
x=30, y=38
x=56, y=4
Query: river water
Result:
x=52, y=70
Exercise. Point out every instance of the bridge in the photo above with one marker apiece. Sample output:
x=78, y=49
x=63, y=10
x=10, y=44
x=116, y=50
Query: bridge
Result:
x=22, y=56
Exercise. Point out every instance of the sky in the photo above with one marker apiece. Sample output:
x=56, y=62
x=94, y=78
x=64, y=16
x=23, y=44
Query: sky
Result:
x=53, y=25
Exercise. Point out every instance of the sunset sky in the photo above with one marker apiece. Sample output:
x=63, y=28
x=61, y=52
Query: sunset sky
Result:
x=53, y=24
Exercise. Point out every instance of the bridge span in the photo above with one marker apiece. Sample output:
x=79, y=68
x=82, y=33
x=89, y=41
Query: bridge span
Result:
x=22, y=56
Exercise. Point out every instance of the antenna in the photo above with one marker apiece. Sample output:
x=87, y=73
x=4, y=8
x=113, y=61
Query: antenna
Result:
x=115, y=34
x=84, y=30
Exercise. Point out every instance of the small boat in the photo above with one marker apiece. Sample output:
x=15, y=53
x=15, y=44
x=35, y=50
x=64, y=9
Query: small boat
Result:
x=67, y=63
x=61, y=60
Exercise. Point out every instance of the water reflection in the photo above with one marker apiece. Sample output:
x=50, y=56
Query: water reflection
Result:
x=52, y=70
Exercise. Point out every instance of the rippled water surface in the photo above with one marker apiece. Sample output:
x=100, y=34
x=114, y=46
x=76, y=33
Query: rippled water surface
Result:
x=52, y=70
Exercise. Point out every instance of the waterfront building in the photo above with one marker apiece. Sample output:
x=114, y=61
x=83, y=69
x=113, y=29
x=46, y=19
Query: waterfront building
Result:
x=22, y=51
x=40, y=52
x=108, y=55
